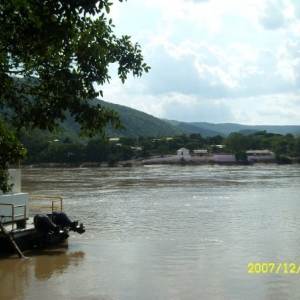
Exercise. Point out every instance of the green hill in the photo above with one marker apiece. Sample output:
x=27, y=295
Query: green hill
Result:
x=189, y=127
x=224, y=129
x=137, y=124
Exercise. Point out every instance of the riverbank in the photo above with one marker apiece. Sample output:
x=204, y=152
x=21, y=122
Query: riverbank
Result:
x=128, y=163
x=167, y=160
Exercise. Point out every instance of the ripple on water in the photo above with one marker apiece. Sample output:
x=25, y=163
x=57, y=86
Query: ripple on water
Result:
x=177, y=233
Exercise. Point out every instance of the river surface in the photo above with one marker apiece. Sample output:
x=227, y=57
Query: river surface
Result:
x=166, y=232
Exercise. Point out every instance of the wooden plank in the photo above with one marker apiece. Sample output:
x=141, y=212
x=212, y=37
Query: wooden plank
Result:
x=11, y=240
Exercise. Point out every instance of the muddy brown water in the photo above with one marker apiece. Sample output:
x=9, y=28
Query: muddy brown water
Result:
x=166, y=232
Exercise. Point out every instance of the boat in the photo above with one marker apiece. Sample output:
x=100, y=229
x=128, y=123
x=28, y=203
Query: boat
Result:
x=32, y=221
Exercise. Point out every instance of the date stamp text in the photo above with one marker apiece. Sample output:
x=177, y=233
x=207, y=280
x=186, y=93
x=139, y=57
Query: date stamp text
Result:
x=273, y=268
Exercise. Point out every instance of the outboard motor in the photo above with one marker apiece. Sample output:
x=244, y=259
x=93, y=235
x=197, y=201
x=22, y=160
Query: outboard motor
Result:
x=62, y=220
x=44, y=224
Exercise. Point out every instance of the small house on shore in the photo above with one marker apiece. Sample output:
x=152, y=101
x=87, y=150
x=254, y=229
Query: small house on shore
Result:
x=260, y=155
x=259, y=152
x=201, y=152
x=183, y=152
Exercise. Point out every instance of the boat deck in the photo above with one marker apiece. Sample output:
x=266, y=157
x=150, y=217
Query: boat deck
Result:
x=14, y=229
x=17, y=230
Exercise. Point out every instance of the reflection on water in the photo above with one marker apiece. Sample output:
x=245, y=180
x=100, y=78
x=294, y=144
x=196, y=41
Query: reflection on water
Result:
x=26, y=278
x=55, y=262
x=165, y=232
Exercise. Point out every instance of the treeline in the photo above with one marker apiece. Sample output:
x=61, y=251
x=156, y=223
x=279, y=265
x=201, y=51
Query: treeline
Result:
x=97, y=150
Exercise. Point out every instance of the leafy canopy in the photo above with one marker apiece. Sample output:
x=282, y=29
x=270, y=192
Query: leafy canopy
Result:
x=52, y=55
x=10, y=151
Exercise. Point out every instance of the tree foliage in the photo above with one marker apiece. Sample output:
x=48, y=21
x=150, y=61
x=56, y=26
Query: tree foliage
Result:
x=10, y=151
x=53, y=54
x=60, y=49
x=126, y=148
x=236, y=142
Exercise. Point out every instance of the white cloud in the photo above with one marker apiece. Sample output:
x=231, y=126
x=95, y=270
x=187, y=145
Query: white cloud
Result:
x=289, y=61
x=273, y=17
x=215, y=61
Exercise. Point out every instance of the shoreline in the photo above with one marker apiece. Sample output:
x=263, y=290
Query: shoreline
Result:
x=141, y=163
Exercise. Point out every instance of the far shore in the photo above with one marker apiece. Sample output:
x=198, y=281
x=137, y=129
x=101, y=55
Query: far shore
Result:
x=150, y=161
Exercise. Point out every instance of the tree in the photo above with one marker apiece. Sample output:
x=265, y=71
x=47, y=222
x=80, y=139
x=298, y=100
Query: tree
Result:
x=297, y=147
x=10, y=151
x=35, y=144
x=62, y=153
x=52, y=56
x=176, y=143
x=97, y=150
x=216, y=140
x=236, y=142
x=128, y=141
x=192, y=145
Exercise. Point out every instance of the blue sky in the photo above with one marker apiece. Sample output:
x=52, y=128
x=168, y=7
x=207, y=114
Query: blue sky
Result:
x=213, y=60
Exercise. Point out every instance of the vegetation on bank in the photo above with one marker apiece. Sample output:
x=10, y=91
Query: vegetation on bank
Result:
x=284, y=147
x=55, y=58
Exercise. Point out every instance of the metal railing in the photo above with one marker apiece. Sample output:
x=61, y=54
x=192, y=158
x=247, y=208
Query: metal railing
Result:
x=56, y=203
x=13, y=216
x=54, y=200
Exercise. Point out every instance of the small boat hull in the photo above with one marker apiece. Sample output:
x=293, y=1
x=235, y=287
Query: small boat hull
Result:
x=21, y=231
x=29, y=238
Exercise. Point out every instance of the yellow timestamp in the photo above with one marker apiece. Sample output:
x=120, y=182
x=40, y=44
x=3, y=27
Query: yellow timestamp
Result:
x=274, y=268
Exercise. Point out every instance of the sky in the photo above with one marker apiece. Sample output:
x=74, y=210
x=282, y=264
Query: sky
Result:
x=212, y=61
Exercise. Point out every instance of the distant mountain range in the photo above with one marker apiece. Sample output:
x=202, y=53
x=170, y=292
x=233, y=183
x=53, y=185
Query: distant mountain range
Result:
x=224, y=129
x=138, y=123
x=141, y=124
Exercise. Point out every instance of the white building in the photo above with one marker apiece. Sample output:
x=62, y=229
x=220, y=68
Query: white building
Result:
x=183, y=152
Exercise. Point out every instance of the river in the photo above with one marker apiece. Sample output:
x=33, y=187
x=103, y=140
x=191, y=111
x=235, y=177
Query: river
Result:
x=166, y=232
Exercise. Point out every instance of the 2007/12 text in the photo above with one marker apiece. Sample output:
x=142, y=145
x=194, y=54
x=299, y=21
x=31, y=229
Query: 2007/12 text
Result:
x=273, y=268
